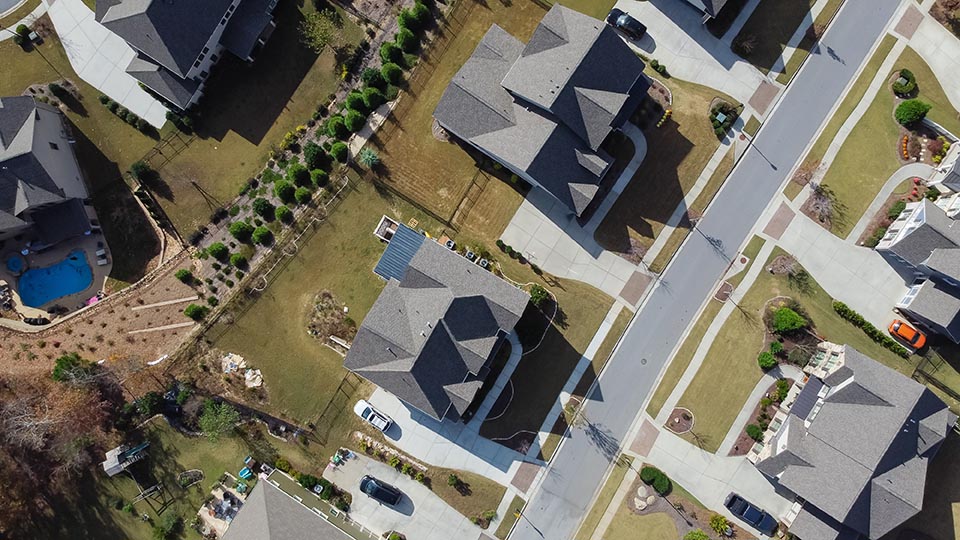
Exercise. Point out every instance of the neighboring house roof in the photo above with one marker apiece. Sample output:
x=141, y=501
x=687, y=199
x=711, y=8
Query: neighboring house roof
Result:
x=430, y=333
x=579, y=69
x=246, y=26
x=403, y=246
x=161, y=80
x=172, y=32
x=945, y=261
x=938, y=303
x=554, y=148
x=861, y=462
x=270, y=514
x=938, y=230
x=710, y=7
x=25, y=180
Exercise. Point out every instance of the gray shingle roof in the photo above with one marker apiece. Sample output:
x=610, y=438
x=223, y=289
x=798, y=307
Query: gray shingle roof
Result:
x=161, y=80
x=863, y=458
x=556, y=148
x=945, y=261
x=172, y=32
x=938, y=303
x=430, y=333
x=271, y=514
x=580, y=70
x=937, y=231
x=246, y=26
x=710, y=7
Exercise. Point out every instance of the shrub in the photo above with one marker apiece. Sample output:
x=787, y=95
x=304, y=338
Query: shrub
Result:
x=143, y=126
x=696, y=534
x=284, y=214
x=23, y=30
x=766, y=360
x=195, y=311
x=239, y=260
x=308, y=481
x=453, y=480
x=70, y=365
x=776, y=347
x=783, y=388
x=303, y=195
x=241, y=230
x=718, y=523
x=319, y=177
x=354, y=102
x=218, y=251
x=284, y=191
x=872, y=332
x=907, y=87
x=391, y=53
x=538, y=295
x=911, y=111
x=263, y=208
x=406, y=468
x=184, y=275
x=141, y=171
x=754, y=432
x=373, y=78
x=339, y=152
x=875, y=238
x=354, y=121
x=407, y=20
x=896, y=209
x=262, y=236
x=391, y=72
x=314, y=156
x=168, y=527
x=786, y=321
x=298, y=174
x=336, y=129
x=407, y=41
x=419, y=477
x=373, y=98
x=656, y=478
x=217, y=419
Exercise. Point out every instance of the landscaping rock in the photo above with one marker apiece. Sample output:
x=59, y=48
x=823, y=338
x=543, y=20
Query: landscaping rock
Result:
x=640, y=504
x=642, y=492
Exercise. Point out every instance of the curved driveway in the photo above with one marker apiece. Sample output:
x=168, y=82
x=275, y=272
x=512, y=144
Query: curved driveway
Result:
x=579, y=466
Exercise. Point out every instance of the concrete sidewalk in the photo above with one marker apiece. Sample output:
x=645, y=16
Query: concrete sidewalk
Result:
x=782, y=371
x=941, y=51
x=906, y=172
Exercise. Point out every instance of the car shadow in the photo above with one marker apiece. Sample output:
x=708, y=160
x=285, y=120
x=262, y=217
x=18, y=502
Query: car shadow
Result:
x=394, y=432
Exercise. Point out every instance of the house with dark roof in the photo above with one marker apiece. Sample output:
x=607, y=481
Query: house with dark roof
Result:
x=270, y=514
x=544, y=109
x=178, y=42
x=42, y=190
x=853, y=446
x=925, y=241
x=710, y=8
x=431, y=336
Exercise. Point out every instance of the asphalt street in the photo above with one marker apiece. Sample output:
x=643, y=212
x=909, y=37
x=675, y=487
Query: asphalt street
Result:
x=576, y=472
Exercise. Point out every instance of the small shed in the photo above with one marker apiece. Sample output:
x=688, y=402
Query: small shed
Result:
x=122, y=457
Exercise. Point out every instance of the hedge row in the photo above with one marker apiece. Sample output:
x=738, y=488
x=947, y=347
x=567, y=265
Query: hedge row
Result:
x=653, y=476
x=126, y=115
x=869, y=329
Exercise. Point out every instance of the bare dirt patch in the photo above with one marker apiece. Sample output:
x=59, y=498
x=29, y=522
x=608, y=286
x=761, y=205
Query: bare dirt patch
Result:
x=680, y=421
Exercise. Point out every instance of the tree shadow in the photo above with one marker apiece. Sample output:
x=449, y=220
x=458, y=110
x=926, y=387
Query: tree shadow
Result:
x=248, y=98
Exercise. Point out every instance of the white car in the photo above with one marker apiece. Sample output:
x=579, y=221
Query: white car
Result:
x=372, y=416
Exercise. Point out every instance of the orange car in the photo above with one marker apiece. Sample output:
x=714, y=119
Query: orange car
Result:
x=913, y=337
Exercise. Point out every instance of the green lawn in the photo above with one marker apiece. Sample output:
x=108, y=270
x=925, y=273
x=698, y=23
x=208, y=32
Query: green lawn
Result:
x=603, y=353
x=689, y=347
x=676, y=155
x=771, y=25
x=595, y=8
x=854, y=180
x=603, y=499
x=507, y=521
x=752, y=126
x=680, y=233
x=629, y=526
x=730, y=372
x=807, y=42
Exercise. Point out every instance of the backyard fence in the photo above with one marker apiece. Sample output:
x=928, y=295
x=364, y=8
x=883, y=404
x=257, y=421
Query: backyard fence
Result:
x=926, y=372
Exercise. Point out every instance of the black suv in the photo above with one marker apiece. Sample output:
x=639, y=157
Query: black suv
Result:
x=626, y=24
x=746, y=511
x=380, y=490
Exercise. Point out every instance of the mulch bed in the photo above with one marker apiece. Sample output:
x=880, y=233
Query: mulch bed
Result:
x=744, y=442
x=680, y=421
x=881, y=218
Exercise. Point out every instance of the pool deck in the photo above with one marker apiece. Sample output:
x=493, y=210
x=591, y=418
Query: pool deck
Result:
x=73, y=302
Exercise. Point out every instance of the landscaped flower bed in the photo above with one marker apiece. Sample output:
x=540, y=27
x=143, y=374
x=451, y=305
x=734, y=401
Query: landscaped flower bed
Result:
x=722, y=116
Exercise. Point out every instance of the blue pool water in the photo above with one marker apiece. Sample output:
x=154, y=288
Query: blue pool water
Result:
x=15, y=264
x=38, y=286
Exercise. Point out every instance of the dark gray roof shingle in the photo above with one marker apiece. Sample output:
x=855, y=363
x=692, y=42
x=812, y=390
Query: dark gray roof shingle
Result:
x=938, y=303
x=270, y=514
x=246, y=26
x=945, y=261
x=175, y=89
x=430, y=333
x=937, y=231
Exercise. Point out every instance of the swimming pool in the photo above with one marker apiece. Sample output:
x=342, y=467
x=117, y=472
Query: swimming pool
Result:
x=38, y=286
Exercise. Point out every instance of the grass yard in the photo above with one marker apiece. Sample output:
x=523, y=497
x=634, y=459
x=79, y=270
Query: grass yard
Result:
x=11, y=20
x=807, y=42
x=604, y=498
x=507, y=521
x=752, y=126
x=676, y=155
x=246, y=110
x=730, y=372
x=597, y=9
x=629, y=526
x=603, y=353
x=771, y=25
x=940, y=516
x=685, y=353
x=855, y=180
x=680, y=233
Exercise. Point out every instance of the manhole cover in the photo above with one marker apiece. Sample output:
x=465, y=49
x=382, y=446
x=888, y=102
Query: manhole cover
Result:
x=643, y=361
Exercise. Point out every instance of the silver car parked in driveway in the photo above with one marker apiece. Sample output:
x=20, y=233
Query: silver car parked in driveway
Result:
x=372, y=416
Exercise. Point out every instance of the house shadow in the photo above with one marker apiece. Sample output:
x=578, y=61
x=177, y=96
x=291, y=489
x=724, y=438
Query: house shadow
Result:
x=248, y=98
x=72, y=510
x=126, y=228
x=941, y=496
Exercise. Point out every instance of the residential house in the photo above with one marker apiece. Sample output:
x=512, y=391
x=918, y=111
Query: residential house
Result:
x=925, y=241
x=270, y=514
x=179, y=42
x=710, y=8
x=853, y=447
x=431, y=336
x=946, y=179
x=543, y=110
x=42, y=191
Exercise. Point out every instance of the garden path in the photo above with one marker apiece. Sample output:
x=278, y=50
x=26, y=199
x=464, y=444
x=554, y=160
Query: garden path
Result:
x=906, y=172
x=782, y=371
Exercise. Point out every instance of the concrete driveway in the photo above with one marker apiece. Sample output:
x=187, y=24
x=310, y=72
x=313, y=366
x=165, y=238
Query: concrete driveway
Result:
x=421, y=515
x=100, y=58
